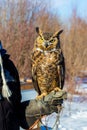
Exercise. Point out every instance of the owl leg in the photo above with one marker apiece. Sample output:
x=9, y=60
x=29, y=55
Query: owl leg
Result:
x=55, y=86
x=41, y=96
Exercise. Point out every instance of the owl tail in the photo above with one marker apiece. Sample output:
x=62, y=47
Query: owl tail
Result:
x=5, y=89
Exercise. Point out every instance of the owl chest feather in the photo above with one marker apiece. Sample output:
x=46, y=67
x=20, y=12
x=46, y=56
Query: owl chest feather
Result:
x=46, y=70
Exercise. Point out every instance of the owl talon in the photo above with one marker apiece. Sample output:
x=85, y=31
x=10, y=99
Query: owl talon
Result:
x=41, y=96
x=57, y=89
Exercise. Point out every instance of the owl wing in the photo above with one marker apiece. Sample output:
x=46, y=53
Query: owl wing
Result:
x=34, y=76
x=61, y=70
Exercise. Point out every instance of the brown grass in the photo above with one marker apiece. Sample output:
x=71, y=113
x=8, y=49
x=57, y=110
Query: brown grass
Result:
x=26, y=86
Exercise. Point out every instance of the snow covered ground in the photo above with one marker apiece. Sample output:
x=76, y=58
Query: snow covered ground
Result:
x=73, y=115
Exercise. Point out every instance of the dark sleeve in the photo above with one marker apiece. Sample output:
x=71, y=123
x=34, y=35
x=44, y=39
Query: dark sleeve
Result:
x=16, y=95
x=14, y=86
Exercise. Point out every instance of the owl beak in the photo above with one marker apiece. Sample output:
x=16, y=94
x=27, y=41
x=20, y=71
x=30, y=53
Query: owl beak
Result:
x=46, y=44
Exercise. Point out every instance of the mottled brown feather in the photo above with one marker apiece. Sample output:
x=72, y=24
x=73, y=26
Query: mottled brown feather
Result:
x=48, y=67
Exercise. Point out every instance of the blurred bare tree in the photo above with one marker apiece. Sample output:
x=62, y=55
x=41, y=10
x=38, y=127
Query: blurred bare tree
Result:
x=76, y=46
x=18, y=20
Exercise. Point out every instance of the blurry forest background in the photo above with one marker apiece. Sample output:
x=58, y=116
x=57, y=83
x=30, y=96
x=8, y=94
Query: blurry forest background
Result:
x=17, y=33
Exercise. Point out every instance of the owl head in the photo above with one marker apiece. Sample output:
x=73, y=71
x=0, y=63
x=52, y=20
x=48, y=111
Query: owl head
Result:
x=47, y=41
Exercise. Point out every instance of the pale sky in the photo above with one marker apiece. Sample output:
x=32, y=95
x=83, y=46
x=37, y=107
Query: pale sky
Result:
x=65, y=7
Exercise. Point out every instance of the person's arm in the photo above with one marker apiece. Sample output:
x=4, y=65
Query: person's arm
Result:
x=13, y=82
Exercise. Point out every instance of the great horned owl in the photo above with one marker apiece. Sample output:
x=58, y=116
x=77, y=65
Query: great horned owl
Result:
x=48, y=66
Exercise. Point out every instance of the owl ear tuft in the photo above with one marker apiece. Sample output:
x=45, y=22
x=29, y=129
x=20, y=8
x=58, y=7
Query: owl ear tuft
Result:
x=57, y=33
x=37, y=29
x=60, y=32
x=39, y=32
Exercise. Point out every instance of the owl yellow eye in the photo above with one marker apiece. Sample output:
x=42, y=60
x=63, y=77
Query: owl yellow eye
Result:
x=39, y=40
x=53, y=40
